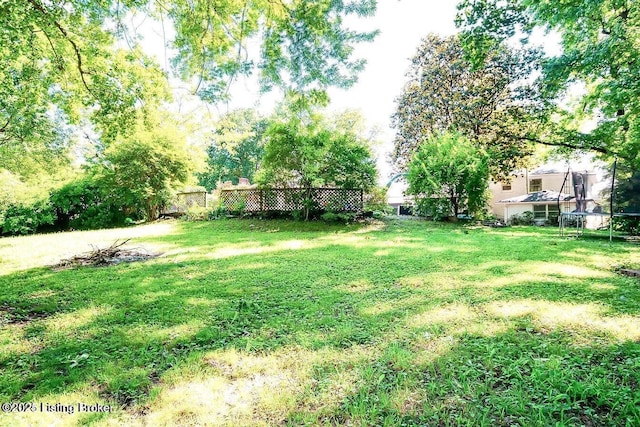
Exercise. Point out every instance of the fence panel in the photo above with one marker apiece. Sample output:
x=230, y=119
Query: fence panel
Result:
x=292, y=199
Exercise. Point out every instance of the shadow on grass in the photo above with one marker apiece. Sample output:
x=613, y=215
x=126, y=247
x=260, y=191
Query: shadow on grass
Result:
x=520, y=377
x=441, y=296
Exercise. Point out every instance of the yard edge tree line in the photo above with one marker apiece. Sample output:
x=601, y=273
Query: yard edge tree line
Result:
x=76, y=64
x=65, y=67
x=135, y=178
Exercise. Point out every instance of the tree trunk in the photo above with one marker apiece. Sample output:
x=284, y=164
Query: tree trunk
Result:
x=151, y=210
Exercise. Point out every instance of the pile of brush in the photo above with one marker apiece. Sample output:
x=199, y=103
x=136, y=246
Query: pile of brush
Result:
x=114, y=254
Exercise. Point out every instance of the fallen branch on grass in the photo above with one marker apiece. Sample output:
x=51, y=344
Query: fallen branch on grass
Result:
x=114, y=254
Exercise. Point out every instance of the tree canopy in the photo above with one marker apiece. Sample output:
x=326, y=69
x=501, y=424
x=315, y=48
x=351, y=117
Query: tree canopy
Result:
x=307, y=153
x=64, y=60
x=598, y=65
x=445, y=93
x=449, y=175
x=235, y=149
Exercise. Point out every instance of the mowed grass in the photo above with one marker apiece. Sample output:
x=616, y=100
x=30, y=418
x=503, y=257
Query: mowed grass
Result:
x=249, y=322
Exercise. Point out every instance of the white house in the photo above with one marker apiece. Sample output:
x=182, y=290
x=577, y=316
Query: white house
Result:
x=546, y=191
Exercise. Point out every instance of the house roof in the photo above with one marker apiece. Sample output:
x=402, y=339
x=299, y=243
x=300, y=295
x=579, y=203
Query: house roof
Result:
x=539, y=196
x=546, y=169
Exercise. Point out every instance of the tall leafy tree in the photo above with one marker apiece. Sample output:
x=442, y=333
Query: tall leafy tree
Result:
x=599, y=53
x=142, y=170
x=60, y=60
x=236, y=148
x=445, y=93
x=310, y=153
x=449, y=175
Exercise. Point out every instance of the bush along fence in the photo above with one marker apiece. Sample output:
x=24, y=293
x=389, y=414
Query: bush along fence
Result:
x=283, y=200
x=184, y=200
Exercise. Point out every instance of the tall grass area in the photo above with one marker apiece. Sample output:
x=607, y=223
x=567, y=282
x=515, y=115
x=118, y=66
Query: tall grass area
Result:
x=249, y=322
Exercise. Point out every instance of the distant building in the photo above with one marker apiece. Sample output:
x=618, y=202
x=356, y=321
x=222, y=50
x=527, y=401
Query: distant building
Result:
x=538, y=191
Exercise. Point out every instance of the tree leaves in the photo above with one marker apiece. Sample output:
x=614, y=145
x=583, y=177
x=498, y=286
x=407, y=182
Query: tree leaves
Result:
x=65, y=56
x=313, y=153
x=445, y=93
x=600, y=50
x=447, y=175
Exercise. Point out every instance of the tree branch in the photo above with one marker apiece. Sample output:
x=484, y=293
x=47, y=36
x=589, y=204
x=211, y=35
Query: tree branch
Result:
x=3, y=129
x=65, y=34
x=600, y=150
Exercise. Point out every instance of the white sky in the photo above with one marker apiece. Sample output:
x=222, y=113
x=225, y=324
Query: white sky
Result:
x=402, y=25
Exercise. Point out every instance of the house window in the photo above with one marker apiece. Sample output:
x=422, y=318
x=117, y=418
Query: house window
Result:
x=539, y=211
x=535, y=185
x=506, y=187
x=547, y=212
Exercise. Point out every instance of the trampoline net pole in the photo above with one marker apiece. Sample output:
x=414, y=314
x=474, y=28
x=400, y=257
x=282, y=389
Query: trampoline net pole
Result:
x=613, y=185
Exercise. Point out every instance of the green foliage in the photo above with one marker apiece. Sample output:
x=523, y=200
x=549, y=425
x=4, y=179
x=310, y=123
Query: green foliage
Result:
x=340, y=217
x=312, y=154
x=445, y=93
x=525, y=218
x=627, y=225
x=27, y=219
x=449, y=175
x=348, y=163
x=292, y=156
x=236, y=148
x=86, y=204
x=218, y=211
x=305, y=46
x=196, y=212
x=599, y=54
x=627, y=199
x=145, y=168
x=49, y=67
x=627, y=189
x=12, y=191
x=63, y=62
x=308, y=155
x=25, y=189
x=375, y=200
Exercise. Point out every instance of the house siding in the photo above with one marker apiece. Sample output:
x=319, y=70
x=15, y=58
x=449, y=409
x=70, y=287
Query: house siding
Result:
x=551, y=181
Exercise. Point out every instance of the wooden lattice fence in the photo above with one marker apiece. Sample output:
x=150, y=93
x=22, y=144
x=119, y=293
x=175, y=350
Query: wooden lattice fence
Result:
x=292, y=199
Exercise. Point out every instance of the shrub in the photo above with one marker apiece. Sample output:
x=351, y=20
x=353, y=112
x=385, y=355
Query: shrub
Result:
x=449, y=175
x=629, y=225
x=84, y=205
x=196, y=212
x=343, y=217
x=26, y=219
x=525, y=218
x=218, y=212
x=376, y=201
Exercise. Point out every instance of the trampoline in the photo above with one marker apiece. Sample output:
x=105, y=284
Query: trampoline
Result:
x=581, y=217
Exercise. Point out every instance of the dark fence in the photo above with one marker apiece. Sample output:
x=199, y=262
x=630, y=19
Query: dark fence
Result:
x=292, y=199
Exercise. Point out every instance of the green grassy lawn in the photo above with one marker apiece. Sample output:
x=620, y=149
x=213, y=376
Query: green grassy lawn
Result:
x=249, y=322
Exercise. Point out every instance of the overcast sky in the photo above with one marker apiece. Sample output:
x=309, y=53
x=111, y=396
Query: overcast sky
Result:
x=402, y=25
